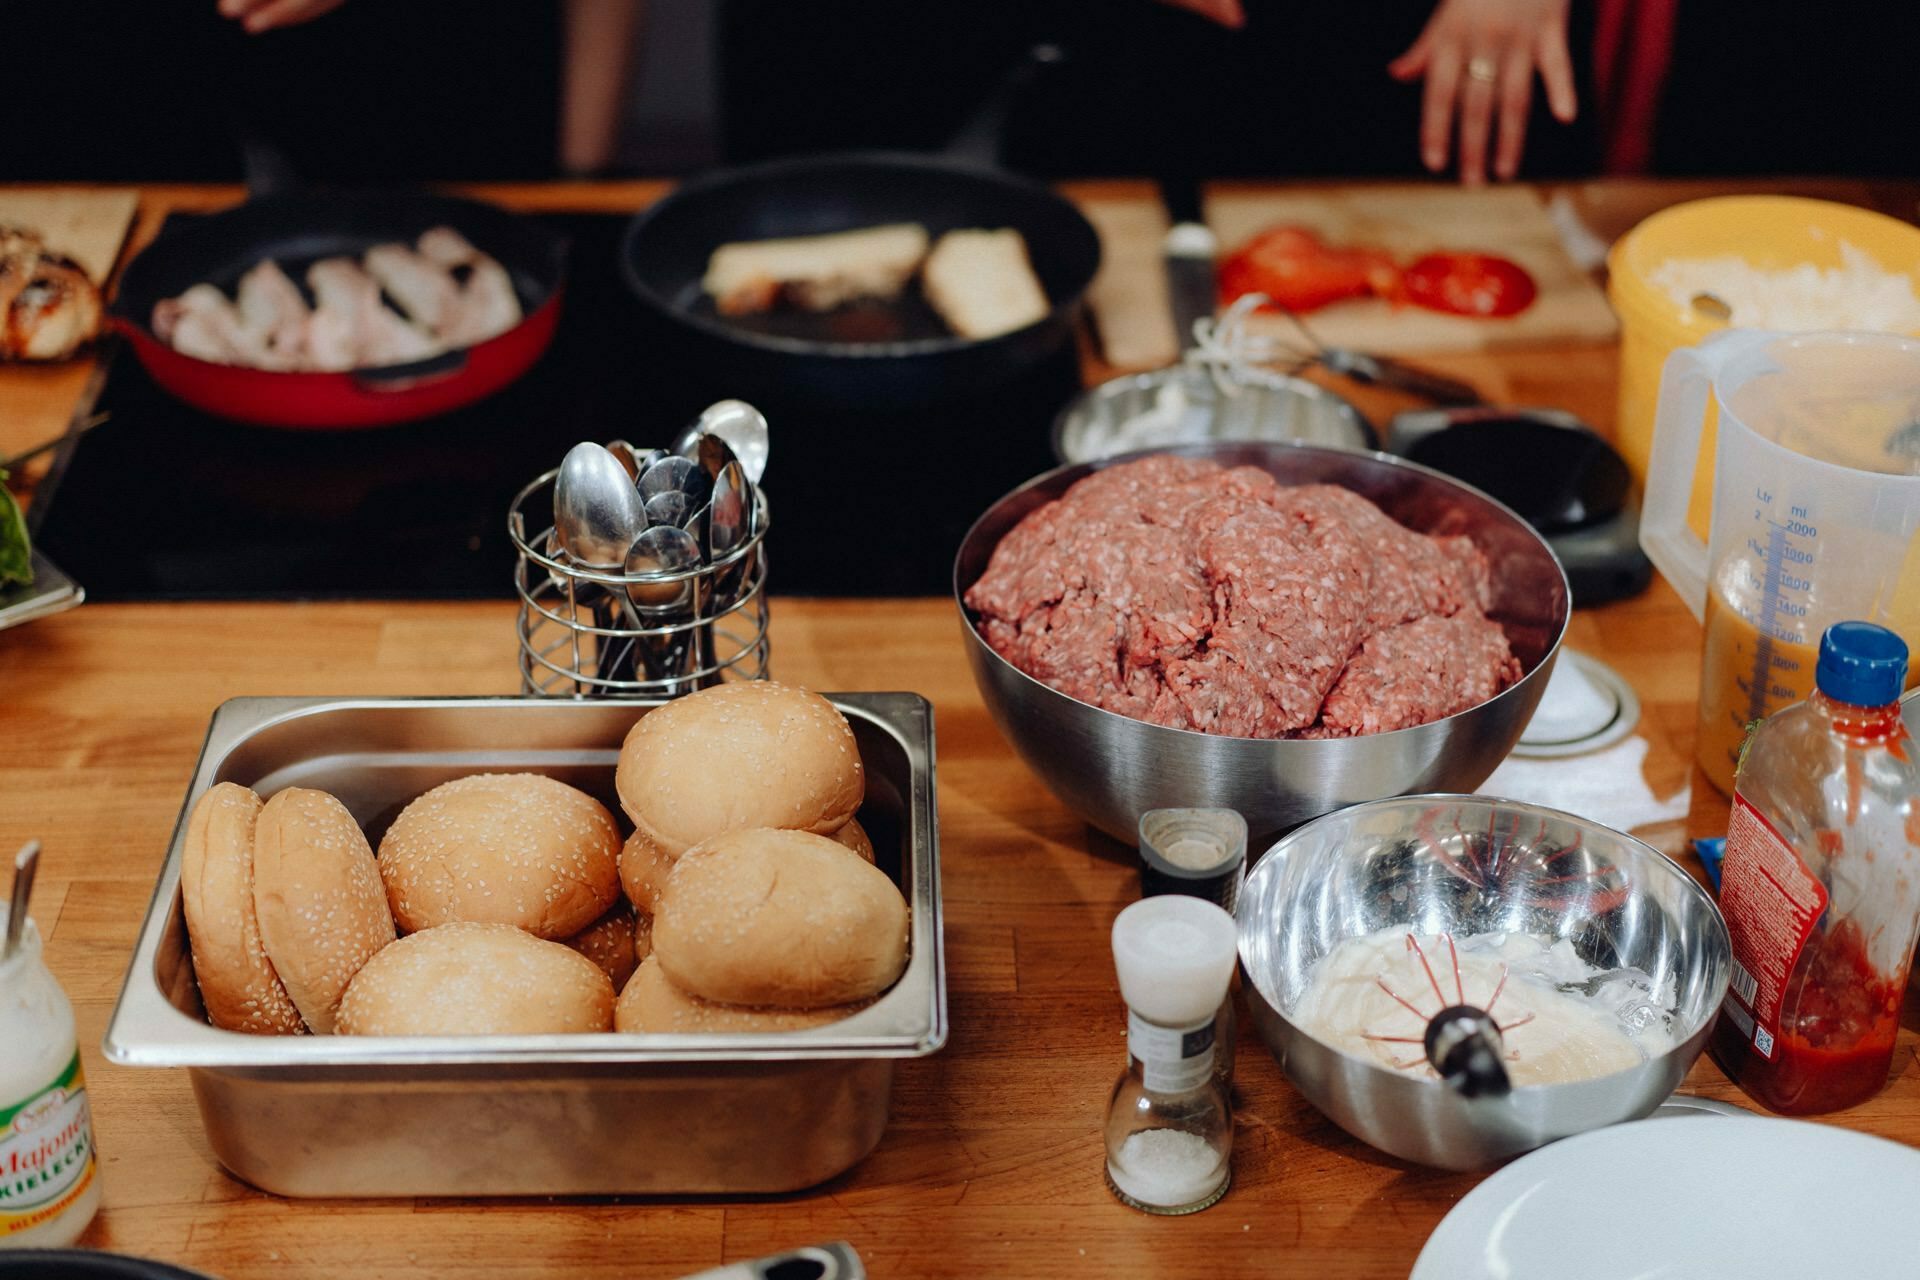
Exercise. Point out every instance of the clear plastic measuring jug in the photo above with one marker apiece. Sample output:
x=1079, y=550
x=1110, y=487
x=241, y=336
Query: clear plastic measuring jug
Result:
x=1816, y=507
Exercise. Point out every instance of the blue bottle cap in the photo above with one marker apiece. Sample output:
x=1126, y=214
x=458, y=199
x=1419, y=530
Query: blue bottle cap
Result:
x=1862, y=664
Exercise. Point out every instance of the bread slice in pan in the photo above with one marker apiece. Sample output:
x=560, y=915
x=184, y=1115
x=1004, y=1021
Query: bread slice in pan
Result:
x=982, y=284
x=816, y=273
x=238, y=984
x=323, y=911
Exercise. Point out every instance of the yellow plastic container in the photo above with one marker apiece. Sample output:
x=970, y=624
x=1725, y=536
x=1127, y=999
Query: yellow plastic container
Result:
x=1772, y=233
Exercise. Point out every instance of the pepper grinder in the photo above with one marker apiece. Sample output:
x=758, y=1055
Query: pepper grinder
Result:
x=1169, y=1128
x=1201, y=853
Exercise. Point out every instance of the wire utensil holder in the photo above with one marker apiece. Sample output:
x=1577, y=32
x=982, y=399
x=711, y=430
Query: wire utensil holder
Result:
x=605, y=633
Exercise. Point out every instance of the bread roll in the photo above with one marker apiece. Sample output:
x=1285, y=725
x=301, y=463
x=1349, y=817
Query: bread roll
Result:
x=751, y=754
x=642, y=937
x=237, y=982
x=651, y=1002
x=643, y=870
x=855, y=837
x=781, y=918
x=982, y=284
x=502, y=848
x=323, y=911
x=609, y=943
x=466, y=979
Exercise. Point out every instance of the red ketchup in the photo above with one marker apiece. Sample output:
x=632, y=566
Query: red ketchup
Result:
x=1821, y=885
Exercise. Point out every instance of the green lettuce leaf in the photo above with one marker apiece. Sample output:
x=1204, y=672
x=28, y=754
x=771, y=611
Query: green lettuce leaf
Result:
x=16, y=557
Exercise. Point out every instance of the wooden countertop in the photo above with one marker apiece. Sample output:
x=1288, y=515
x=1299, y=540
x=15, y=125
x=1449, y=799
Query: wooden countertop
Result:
x=993, y=1161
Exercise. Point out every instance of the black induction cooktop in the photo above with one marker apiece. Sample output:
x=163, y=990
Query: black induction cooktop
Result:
x=163, y=502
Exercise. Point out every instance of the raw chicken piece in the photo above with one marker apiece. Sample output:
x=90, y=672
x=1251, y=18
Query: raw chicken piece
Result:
x=271, y=306
x=203, y=324
x=488, y=305
x=351, y=328
x=346, y=307
x=445, y=247
x=423, y=288
x=391, y=340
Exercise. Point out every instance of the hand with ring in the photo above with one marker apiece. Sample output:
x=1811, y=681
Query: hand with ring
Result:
x=1479, y=55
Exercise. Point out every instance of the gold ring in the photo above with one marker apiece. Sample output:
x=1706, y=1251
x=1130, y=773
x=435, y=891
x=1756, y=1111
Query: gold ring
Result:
x=1483, y=69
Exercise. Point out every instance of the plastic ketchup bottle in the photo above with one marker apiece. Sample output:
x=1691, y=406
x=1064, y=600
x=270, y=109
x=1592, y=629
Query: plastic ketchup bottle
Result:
x=1821, y=884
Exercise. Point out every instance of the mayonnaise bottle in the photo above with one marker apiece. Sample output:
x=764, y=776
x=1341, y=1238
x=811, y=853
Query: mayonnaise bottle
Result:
x=49, y=1182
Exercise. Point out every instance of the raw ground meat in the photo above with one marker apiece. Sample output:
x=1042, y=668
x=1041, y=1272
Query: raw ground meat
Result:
x=1175, y=591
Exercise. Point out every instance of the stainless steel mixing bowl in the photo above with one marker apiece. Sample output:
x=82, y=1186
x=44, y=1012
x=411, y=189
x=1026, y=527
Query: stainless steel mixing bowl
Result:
x=1182, y=404
x=1466, y=865
x=1110, y=769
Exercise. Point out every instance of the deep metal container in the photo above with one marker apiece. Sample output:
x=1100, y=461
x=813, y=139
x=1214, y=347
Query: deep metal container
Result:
x=1111, y=769
x=530, y=1115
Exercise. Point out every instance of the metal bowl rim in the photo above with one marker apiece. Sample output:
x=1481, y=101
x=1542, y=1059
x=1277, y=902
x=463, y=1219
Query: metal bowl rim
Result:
x=1269, y=379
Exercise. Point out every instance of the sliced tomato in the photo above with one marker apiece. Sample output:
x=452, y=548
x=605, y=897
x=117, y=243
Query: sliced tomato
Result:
x=1469, y=284
x=1302, y=272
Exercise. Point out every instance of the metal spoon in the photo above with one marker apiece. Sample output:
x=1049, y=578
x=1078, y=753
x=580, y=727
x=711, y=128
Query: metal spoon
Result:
x=743, y=427
x=669, y=508
x=662, y=550
x=675, y=475
x=597, y=512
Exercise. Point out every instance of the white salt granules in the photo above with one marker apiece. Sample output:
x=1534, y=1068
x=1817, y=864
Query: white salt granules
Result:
x=1167, y=1167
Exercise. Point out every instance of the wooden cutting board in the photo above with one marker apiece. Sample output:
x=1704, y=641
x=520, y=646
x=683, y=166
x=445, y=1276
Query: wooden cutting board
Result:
x=1132, y=313
x=1408, y=221
x=86, y=224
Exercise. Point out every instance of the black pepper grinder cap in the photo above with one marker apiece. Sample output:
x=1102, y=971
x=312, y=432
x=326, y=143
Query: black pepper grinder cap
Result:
x=1198, y=852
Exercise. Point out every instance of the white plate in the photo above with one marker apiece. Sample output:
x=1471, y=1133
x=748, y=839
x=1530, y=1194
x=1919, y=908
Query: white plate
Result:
x=1652, y=1200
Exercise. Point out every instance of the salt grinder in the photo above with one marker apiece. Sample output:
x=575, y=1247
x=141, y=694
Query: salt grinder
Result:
x=1169, y=1129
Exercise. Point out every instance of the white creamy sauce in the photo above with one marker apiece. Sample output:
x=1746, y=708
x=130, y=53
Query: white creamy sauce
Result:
x=1551, y=1036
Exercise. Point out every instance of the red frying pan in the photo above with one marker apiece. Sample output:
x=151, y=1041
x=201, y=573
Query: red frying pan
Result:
x=297, y=227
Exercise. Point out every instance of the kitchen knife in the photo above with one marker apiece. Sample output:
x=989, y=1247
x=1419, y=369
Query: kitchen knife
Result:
x=1189, y=251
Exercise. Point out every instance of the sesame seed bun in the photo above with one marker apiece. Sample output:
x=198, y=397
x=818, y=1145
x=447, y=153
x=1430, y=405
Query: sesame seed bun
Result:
x=238, y=985
x=609, y=943
x=781, y=918
x=502, y=848
x=855, y=837
x=323, y=912
x=750, y=754
x=466, y=979
x=642, y=937
x=643, y=870
x=651, y=1002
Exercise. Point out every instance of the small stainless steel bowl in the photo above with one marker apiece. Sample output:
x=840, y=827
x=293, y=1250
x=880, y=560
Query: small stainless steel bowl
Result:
x=1182, y=404
x=1467, y=865
x=1111, y=769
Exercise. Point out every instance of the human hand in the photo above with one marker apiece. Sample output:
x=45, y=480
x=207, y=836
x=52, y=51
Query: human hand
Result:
x=264, y=15
x=1228, y=13
x=1480, y=52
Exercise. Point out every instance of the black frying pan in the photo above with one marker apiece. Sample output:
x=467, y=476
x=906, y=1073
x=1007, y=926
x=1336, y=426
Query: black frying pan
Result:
x=894, y=355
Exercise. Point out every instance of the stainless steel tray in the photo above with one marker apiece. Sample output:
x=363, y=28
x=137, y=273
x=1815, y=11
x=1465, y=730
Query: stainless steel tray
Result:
x=530, y=1115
